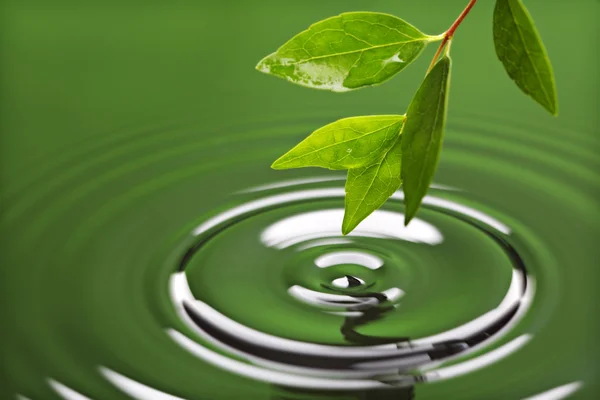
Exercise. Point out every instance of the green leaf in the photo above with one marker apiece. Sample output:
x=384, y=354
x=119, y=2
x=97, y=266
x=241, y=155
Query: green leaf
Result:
x=521, y=50
x=347, y=52
x=348, y=143
x=423, y=134
x=368, y=188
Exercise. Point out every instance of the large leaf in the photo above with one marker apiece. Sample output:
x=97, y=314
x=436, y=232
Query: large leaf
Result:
x=347, y=52
x=368, y=188
x=347, y=143
x=423, y=134
x=522, y=52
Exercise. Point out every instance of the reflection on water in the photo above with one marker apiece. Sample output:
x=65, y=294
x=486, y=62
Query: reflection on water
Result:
x=311, y=314
x=350, y=287
x=267, y=291
x=318, y=225
x=119, y=139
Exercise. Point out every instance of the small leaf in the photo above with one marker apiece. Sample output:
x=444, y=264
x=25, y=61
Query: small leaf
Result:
x=348, y=143
x=368, y=188
x=422, y=135
x=521, y=50
x=347, y=52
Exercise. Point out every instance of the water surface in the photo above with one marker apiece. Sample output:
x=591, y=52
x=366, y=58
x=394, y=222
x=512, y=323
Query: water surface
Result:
x=148, y=252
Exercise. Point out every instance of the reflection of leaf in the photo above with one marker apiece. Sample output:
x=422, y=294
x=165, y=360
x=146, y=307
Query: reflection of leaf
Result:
x=368, y=188
x=347, y=143
x=347, y=52
x=422, y=135
x=522, y=52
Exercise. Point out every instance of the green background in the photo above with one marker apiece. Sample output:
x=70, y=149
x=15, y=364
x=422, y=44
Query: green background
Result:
x=123, y=124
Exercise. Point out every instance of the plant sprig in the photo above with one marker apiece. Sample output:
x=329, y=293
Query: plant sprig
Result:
x=384, y=152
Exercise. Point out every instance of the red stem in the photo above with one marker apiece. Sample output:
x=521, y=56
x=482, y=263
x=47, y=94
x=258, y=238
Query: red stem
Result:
x=460, y=19
x=452, y=30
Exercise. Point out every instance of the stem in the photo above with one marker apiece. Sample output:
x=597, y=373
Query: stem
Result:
x=460, y=19
x=451, y=31
x=438, y=52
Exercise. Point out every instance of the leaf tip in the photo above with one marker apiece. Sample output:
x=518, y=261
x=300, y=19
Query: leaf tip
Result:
x=345, y=228
x=263, y=65
x=409, y=214
x=260, y=67
x=551, y=105
x=277, y=164
x=347, y=225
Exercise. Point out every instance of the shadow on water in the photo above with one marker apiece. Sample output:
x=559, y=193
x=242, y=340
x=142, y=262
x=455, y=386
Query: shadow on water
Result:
x=349, y=331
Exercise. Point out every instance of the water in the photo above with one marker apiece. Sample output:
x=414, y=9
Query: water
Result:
x=148, y=252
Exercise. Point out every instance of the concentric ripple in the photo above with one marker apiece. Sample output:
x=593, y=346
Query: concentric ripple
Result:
x=351, y=285
x=144, y=273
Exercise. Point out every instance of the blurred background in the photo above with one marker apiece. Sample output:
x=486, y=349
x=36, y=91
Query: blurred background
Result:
x=125, y=124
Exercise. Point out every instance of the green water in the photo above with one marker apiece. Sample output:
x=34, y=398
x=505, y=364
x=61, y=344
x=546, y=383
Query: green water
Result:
x=128, y=127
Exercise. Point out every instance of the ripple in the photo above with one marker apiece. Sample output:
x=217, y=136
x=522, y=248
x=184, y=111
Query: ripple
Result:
x=350, y=292
x=484, y=280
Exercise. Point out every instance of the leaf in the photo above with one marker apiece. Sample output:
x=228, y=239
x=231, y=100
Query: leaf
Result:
x=521, y=50
x=368, y=188
x=422, y=135
x=347, y=143
x=347, y=52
